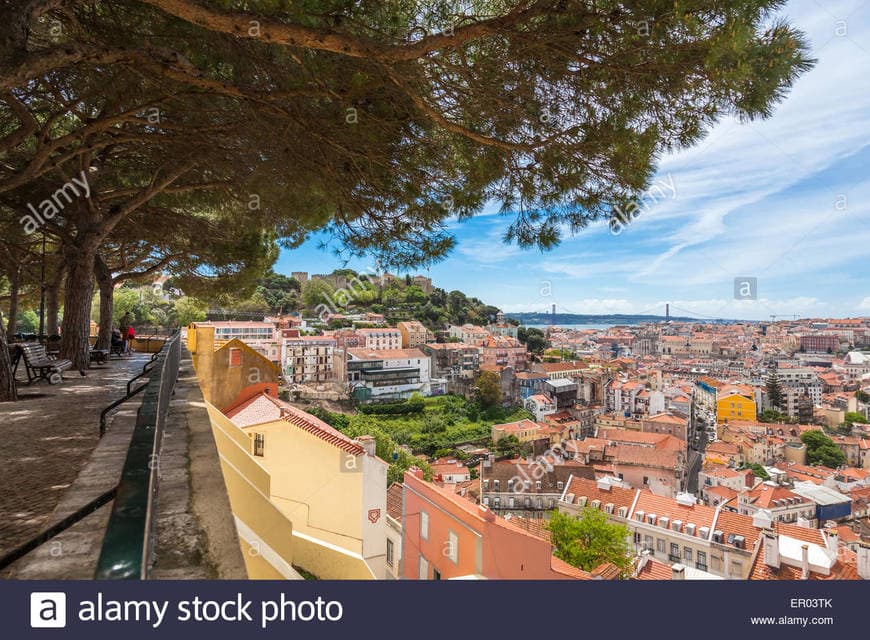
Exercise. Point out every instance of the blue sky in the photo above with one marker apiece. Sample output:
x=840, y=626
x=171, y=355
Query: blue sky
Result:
x=785, y=200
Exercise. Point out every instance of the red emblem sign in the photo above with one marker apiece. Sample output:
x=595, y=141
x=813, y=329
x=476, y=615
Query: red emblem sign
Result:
x=374, y=515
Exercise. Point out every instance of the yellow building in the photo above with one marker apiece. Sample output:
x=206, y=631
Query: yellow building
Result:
x=735, y=404
x=333, y=488
x=230, y=371
x=522, y=430
x=302, y=494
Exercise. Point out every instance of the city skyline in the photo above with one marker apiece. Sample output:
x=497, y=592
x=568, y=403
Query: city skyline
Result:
x=751, y=200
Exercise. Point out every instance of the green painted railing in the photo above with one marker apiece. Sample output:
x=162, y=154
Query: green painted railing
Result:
x=127, y=548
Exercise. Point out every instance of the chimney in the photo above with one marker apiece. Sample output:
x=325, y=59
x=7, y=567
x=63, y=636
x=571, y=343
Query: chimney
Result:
x=770, y=540
x=417, y=472
x=864, y=560
x=832, y=538
x=367, y=443
x=805, y=562
x=678, y=572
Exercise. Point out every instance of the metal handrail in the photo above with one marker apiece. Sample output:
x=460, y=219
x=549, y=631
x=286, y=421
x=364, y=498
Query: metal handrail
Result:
x=127, y=546
x=59, y=527
x=62, y=525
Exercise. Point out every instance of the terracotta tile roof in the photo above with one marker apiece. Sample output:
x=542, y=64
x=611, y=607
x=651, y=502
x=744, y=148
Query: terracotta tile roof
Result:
x=264, y=408
x=394, y=501
x=698, y=514
x=618, y=496
x=536, y=526
x=645, y=456
x=764, y=494
x=256, y=410
x=724, y=493
x=666, y=418
x=653, y=569
x=653, y=440
x=560, y=566
x=319, y=428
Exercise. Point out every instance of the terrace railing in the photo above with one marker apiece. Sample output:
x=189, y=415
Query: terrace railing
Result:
x=127, y=546
x=127, y=550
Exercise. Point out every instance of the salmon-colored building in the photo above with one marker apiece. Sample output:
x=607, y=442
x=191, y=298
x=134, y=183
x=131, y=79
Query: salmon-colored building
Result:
x=446, y=536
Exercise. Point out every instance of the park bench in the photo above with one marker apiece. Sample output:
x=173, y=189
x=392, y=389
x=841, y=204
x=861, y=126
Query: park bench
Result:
x=99, y=355
x=41, y=366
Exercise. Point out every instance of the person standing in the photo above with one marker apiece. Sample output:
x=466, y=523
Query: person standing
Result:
x=125, y=328
x=131, y=333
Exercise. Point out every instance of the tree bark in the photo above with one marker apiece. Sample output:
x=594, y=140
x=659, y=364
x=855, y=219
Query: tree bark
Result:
x=104, y=281
x=52, y=302
x=14, y=285
x=79, y=292
x=8, y=391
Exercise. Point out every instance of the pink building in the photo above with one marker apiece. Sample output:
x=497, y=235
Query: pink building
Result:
x=504, y=351
x=447, y=536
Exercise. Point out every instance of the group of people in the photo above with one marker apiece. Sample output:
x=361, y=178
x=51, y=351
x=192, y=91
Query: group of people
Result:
x=122, y=336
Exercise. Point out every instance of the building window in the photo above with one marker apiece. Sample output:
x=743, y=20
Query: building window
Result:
x=453, y=547
x=675, y=552
x=660, y=545
x=259, y=444
x=645, y=480
x=702, y=561
x=559, y=485
x=687, y=554
x=424, y=525
x=436, y=575
x=736, y=569
x=389, y=552
x=235, y=357
x=424, y=569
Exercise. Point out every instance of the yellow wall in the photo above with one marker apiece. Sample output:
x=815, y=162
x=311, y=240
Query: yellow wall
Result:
x=743, y=409
x=220, y=382
x=248, y=488
x=313, y=483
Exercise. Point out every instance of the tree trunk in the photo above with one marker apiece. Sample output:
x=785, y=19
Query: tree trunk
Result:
x=79, y=293
x=52, y=302
x=7, y=383
x=14, y=284
x=104, y=281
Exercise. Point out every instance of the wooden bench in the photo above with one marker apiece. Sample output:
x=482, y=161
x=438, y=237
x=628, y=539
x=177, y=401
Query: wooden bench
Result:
x=41, y=366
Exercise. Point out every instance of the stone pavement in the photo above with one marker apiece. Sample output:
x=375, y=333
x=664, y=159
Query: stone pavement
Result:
x=48, y=437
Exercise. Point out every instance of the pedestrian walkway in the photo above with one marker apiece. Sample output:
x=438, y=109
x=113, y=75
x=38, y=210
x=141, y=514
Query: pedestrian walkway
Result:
x=48, y=437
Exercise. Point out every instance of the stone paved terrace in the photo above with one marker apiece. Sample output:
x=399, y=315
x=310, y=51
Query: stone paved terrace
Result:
x=48, y=437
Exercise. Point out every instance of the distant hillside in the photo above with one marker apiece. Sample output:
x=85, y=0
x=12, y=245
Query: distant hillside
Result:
x=576, y=318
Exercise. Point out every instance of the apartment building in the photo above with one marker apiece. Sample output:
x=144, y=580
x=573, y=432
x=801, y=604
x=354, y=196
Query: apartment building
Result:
x=503, y=351
x=307, y=359
x=672, y=530
x=447, y=537
x=262, y=337
x=735, y=402
x=527, y=488
x=380, y=339
x=414, y=334
x=387, y=374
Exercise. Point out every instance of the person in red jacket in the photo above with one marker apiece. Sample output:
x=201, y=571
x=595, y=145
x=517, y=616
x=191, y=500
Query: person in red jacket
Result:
x=131, y=333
